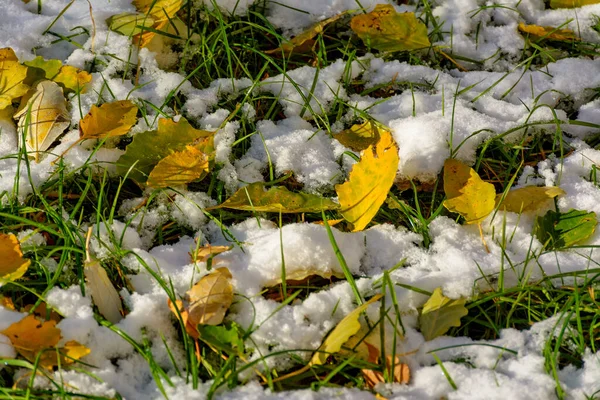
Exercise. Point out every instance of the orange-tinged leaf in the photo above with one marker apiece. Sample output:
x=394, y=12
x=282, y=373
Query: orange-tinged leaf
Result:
x=73, y=79
x=202, y=254
x=571, y=3
x=386, y=30
x=72, y=351
x=180, y=167
x=7, y=303
x=529, y=198
x=12, y=75
x=185, y=318
x=29, y=336
x=346, y=328
x=104, y=294
x=110, y=119
x=161, y=11
x=12, y=264
x=43, y=117
x=303, y=42
x=210, y=298
x=400, y=373
x=548, y=32
x=359, y=136
x=466, y=193
x=369, y=182
x=42, y=312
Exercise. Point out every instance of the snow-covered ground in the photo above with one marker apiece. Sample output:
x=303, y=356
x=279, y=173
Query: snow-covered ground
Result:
x=498, y=97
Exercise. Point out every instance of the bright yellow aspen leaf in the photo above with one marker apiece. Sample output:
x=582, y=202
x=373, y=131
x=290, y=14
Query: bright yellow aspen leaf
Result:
x=360, y=136
x=210, y=298
x=369, y=182
x=466, y=193
x=110, y=119
x=12, y=264
x=12, y=75
x=72, y=351
x=129, y=24
x=303, y=42
x=43, y=117
x=347, y=327
x=548, y=32
x=180, y=167
x=386, y=30
x=73, y=79
x=571, y=3
x=529, y=198
x=161, y=11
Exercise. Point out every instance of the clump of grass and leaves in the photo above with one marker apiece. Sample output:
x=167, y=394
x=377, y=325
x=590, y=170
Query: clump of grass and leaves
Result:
x=215, y=45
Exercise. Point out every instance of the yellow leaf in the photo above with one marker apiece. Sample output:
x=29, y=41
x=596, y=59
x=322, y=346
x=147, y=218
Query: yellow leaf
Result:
x=72, y=351
x=12, y=264
x=369, y=182
x=181, y=167
x=304, y=41
x=12, y=75
x=210, y=298
x=129, y=24
x=185, y=317
x=548, y=32
x=440, y=313
x=386, y=30
x=466, y=193
x=73, y=79
x=203, y=253
x=359, y=136
x=39, y=68
x=571, y=3
x=29, y=336
x=43, y=117
x=341, y=333
x=161, y=11
x=104, y=294
x=110, y=119
x=529, y=198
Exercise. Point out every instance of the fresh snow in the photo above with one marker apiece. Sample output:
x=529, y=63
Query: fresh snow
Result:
x=428, y=124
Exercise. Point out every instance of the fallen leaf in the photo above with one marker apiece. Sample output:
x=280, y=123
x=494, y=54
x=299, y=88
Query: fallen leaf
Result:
x=108, y=120
x=359, y=137
x=571, y=3
x=527, y=199
x=386, y=30
x=181, y=167
x=104, y=294
x=303, y=42
x=254, y=197
x=369, y=182
x=72, y=79
x=440, y=313
x=210, y=298
x=466, y=193
x=12, y=76
x=29, y=336
x=129, y=24
x=72, y=351
x=42, y=312
x=43, y=117
x=202, y=254
x=548, y=32
x=149, y=147
x=400, y=374
x=39, y=68
x=161, y=11
x=7, y=303
x=558, y=230
x=189, y=327
x=346, y=328
x=12, y=264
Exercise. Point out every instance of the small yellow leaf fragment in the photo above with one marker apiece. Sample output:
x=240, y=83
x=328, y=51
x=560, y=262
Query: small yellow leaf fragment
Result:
x=529, y=198
x=203, y=253
x=347, y=327
x=548, y=32
x=104, y=294
x=12, y=264
x=466, y=193
x=386, y=30
x=43, y=117
x=108, y=120
x=161, y=11
x=369, y=182
x=303, y=42
x=210, y=298
x=180, y=167
x=72, y=351
x=440, y=313
x=12, y=75
x=73, y=79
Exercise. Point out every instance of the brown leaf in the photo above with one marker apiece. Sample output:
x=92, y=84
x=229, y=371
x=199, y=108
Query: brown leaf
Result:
x=400, y=374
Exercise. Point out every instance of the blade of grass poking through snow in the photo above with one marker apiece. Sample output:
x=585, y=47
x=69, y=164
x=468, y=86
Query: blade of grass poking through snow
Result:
x=342, y=261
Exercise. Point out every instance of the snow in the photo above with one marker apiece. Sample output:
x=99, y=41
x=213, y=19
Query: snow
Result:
x=497, y=97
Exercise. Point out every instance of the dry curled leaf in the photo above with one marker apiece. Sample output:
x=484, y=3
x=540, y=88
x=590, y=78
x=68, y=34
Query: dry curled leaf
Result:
x=397, y=372
x=104, y=294
x=108, y=120
x=12, y=264
x=548, y=32
x=387, y=30
x=369, y=182
x=43, y=117
x=466, y=193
